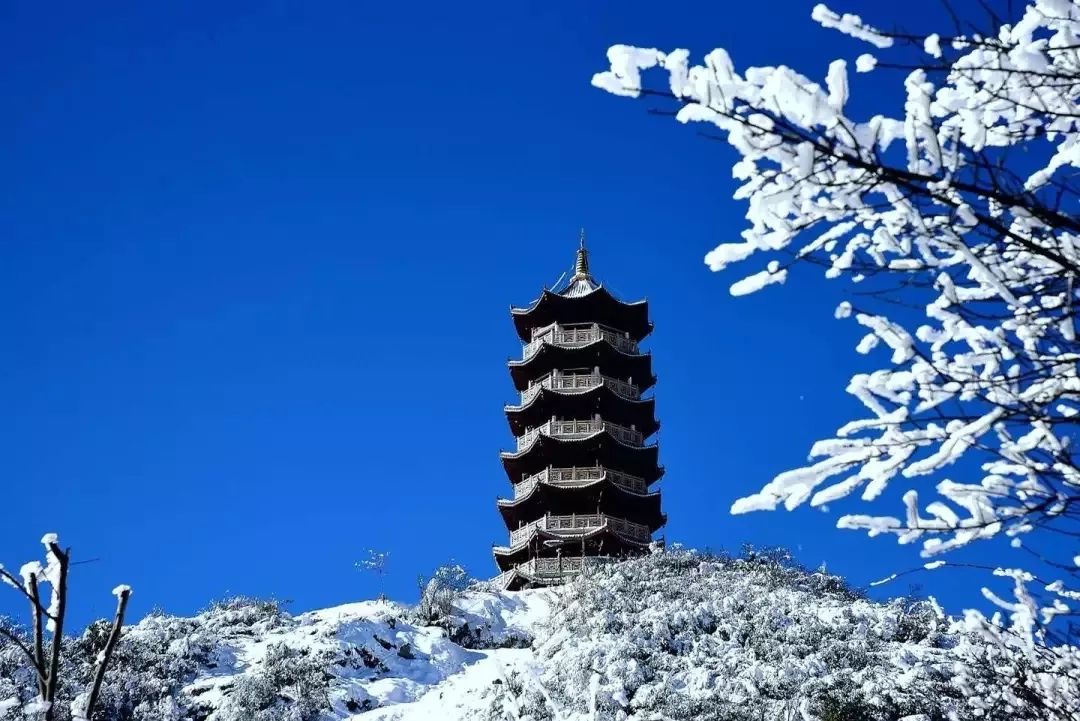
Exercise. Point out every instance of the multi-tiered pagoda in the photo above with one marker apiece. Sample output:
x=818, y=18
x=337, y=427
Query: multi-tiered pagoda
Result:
x=583, y=467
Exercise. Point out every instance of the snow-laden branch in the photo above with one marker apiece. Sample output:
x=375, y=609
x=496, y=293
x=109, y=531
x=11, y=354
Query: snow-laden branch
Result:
x=45, y=663
x=963, y=200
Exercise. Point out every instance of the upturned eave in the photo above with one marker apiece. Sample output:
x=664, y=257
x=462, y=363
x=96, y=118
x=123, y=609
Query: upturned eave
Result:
x=595, y=306
x=600, y=399
x=600, y=447
x=601, y=495
x=599, y=353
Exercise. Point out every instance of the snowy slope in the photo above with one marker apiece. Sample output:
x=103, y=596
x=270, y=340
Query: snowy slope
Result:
x=392, y=669
x=674, y=636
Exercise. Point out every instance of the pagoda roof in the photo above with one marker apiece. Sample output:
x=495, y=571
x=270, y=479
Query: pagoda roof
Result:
x=586, y=403
x=583, y=301
x=598, y=354
x=598, y=496
x=599, y=448
x=544, y=544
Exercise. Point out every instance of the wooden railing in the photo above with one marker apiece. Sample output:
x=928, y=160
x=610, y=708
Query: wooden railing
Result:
x=569, y=477
x=559, y=567
x=579, y=382
x=577, y=524
x=572, y=336
x=579, y=429
x=552, y=569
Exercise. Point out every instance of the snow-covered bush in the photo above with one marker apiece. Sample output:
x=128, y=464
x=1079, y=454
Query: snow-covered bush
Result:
x=291, y=685
x=441, y=596
x=244, y=611
x=17, y=688
x=674, y=636
x=679, y=635
x=149, y=669
x=438, y=593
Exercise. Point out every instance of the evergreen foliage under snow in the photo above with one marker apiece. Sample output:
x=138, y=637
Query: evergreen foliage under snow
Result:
x=675, y=635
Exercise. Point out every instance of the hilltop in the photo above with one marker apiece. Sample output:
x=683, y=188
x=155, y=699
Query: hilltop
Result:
x=674, y=635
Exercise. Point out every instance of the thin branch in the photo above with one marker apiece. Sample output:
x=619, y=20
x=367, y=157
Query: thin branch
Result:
x=114, y=637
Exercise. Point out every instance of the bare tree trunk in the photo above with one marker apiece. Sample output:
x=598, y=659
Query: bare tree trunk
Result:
x=52, y=681
x=39, y=644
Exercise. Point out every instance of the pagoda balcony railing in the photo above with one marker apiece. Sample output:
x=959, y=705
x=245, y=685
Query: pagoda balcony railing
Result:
x=577, y=525
x=580, y=382
x=575, y=476
x=580, y=429
x=554, y=570
x=560, y=567
x=573, y=336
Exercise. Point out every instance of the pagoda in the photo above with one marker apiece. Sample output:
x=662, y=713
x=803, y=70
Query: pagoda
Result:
x=583, y=467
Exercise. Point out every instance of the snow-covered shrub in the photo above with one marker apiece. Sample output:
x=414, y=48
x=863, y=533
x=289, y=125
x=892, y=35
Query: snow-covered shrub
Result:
x=150, y=667
x=510, y=700
x=241, y=611
x=673, y=636
x=679, y=635
x=465, y=634
x=438, y=593
x=291, y=685
x=16, y=683
x=441, y=595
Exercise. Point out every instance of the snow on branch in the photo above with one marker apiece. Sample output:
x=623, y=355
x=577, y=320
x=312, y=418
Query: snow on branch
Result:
x=960, y=201
x=850, y=25
x=45, y=659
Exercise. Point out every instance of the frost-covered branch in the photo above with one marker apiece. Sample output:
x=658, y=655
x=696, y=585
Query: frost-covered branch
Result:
x=960, y=203
x=82, y=709
x=46, y=664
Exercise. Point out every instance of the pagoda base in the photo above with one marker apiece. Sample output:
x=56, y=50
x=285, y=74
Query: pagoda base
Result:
x=541, y=572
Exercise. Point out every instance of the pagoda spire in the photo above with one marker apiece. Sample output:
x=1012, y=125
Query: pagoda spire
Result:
x=581, y=267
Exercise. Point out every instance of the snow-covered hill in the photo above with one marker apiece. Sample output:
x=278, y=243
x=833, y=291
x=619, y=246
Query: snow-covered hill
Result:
x=671, y=636
x=382, y=666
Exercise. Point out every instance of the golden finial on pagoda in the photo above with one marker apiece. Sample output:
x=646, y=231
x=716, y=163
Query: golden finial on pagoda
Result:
x=581, y=268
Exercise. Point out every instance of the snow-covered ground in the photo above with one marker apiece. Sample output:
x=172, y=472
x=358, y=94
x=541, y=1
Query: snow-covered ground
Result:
x=675, y=636
x=394, y=670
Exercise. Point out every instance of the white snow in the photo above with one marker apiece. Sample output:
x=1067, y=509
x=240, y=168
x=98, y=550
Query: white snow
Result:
x=865, y=63
x=932, y=45
x=438, y=679
x=849, y=25
x=990, y=372
x=655, y=637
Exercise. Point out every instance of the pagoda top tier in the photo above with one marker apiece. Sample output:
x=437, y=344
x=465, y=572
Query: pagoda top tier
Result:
x=582, y=299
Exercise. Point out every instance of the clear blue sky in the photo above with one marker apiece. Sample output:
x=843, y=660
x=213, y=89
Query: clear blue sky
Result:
x=256, y=260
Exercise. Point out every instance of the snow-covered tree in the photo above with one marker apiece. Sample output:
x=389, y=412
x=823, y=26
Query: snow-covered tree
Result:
x=954, y=213
x=43, y=660
x=439, y=591
x=376, y=563
x=686, y=636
